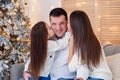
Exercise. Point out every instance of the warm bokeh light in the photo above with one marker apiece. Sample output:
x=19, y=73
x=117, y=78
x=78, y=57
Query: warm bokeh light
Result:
x=104, y=16
x=107, y=42
x=78, y=4
x=99, y=29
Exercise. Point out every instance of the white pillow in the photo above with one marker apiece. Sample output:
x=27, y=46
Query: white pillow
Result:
x=114, y=64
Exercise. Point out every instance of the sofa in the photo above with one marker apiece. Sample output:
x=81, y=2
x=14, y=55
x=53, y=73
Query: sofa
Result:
x=112, y=53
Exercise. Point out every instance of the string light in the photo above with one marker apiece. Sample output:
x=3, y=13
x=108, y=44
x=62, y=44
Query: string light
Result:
x=99, y=17
x=83, y=2
x=108, y=42
x=99, y=29
x=78, y=4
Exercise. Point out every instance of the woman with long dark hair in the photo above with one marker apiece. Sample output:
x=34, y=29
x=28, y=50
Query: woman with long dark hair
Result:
x=43, y=51
x=87, y=49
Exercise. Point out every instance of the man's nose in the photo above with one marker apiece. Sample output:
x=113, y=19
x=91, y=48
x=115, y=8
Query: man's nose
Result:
x=58, y=27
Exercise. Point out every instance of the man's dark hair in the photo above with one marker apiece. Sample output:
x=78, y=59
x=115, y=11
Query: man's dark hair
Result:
x=56, y=12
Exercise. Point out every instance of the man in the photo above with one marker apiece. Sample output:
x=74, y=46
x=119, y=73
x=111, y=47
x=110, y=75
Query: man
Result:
x=59, y=68
x=58, y=22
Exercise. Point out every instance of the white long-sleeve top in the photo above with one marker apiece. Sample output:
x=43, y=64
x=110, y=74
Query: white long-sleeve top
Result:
x=52, y=47
x=82, y=72
x=60, y=65
x=102, y=71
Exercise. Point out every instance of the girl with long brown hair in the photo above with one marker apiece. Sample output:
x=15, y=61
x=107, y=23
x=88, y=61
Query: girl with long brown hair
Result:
x=86, y=49
x=43, y=51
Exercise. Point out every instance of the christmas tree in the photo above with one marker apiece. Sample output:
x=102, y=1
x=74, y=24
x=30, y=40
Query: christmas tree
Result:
x=14, y=35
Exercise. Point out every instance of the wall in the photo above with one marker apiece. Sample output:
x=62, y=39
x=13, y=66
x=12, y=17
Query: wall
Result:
x=104, y=16
x=38, y=10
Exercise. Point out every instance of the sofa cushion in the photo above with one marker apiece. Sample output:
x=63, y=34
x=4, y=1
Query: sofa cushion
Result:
x=114, y=64
x=16, y=71
x=111, y=49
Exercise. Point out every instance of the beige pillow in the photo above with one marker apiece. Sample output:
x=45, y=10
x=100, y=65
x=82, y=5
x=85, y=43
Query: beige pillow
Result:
x=114, y=64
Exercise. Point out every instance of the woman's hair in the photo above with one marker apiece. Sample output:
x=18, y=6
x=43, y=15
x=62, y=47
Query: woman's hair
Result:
x=38, y=54
x=56, y=12
x=85, y=41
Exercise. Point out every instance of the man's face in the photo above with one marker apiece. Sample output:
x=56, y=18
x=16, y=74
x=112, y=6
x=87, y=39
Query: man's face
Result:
x=59, y=25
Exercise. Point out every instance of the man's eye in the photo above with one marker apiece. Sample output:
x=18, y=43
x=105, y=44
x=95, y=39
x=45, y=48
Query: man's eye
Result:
x=61, y=24
x=53, y=24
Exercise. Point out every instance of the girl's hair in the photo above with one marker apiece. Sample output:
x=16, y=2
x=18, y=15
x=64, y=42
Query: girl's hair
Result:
x=85, y=41
x=38, y=54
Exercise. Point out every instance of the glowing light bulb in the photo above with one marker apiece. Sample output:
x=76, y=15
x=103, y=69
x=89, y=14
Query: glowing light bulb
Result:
x=78, y=4
x=108, y=42
x=83, y=2
x=99, y=29
x=99, y=17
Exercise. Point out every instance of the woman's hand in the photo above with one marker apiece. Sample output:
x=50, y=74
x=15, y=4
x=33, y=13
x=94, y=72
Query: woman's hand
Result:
x=71, y=49
x=69, y=27
x=79, y=79
x=26, y=75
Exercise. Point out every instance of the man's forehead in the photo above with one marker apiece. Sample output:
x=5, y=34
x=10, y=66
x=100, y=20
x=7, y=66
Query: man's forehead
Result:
x=57, y=19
